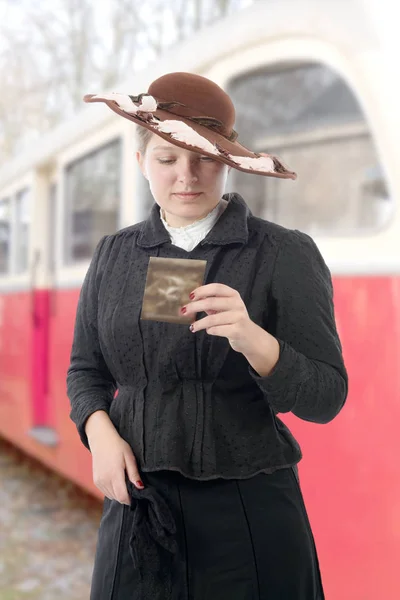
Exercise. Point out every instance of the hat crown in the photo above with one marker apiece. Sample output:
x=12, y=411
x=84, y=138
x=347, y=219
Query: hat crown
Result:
x=200, y=97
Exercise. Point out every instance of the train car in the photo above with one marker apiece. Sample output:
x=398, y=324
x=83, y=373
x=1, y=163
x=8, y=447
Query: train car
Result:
x=313, y=82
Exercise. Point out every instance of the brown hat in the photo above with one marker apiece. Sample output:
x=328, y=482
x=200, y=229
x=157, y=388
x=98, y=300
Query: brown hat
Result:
x=193, y=112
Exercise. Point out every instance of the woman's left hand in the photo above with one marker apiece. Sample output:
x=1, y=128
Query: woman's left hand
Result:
x=227, y=315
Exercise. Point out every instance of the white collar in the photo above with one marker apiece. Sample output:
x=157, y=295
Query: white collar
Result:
x=189, y=236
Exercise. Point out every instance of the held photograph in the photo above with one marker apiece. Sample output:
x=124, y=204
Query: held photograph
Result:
x=168, y=285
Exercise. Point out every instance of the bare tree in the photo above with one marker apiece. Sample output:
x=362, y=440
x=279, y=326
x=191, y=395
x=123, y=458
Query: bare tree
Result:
x=54, y=51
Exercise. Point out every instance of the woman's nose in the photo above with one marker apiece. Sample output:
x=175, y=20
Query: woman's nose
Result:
x=187, y=172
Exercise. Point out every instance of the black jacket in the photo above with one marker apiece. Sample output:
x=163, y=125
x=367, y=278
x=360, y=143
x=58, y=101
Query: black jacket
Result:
x=188, y=402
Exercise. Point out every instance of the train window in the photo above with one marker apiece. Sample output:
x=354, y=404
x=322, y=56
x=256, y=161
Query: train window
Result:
x=309, y=117
x=5, y=236
x=92, y=200
x=22, y=224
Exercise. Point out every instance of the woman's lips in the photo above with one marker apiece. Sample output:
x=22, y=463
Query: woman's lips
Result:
x=187, y=195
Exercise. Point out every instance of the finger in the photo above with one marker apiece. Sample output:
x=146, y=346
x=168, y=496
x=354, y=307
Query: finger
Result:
x=103, y=487
x=132, y=469
x=108, y=494
x=222, y=331
x=213, y=289
x=217, y=304
x=120, y=490
x=106, y=490
x=225, y=318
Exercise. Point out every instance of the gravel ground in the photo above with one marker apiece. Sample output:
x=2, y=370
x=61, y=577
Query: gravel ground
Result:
x=48, y=531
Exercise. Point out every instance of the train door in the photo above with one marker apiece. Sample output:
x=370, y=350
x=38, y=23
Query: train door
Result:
x=44, y=427
x=76, y=204
x=85, y=206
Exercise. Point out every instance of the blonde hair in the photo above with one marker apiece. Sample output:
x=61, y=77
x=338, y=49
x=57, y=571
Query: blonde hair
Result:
x=143, y=136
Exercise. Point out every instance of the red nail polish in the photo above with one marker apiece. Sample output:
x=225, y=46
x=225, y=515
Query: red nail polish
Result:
x=191, y=296
x=140, y=483
x=183, y=309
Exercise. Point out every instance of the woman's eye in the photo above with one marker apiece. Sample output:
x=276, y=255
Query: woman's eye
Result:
x=169, y=161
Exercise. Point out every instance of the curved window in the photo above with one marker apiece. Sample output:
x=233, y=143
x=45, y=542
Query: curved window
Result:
x=309, y=117
x=93, y=185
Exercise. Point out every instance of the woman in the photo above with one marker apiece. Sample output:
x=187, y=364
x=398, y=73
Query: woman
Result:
x=199, y=474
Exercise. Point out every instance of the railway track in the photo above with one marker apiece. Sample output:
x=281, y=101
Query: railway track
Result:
x=48, y=532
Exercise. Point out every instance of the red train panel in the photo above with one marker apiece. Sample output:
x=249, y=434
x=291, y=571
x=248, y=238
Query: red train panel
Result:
x=350, y=471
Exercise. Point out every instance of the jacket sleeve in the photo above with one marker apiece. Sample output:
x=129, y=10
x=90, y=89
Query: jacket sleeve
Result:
x=309, y=378
x=90, y=385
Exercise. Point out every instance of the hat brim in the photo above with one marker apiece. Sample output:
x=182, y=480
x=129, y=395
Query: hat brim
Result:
x=210, y=143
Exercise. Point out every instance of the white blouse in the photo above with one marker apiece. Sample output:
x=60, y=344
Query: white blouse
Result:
x=189, y=236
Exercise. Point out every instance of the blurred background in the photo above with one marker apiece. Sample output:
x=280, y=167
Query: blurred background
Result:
x=313, y=81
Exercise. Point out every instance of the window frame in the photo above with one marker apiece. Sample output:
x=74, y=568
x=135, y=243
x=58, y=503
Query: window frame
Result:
x=13, y=268
x=17, y=230
x=7, y=199
x=67, y=261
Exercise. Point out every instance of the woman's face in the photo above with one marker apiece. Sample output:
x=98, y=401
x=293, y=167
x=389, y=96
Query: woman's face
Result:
x=183, y=183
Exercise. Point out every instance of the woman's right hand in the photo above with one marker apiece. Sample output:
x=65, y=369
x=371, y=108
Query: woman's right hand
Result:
x=111, y=457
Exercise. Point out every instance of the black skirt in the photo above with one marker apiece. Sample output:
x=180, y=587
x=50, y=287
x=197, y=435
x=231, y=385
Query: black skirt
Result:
x=223, y=540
